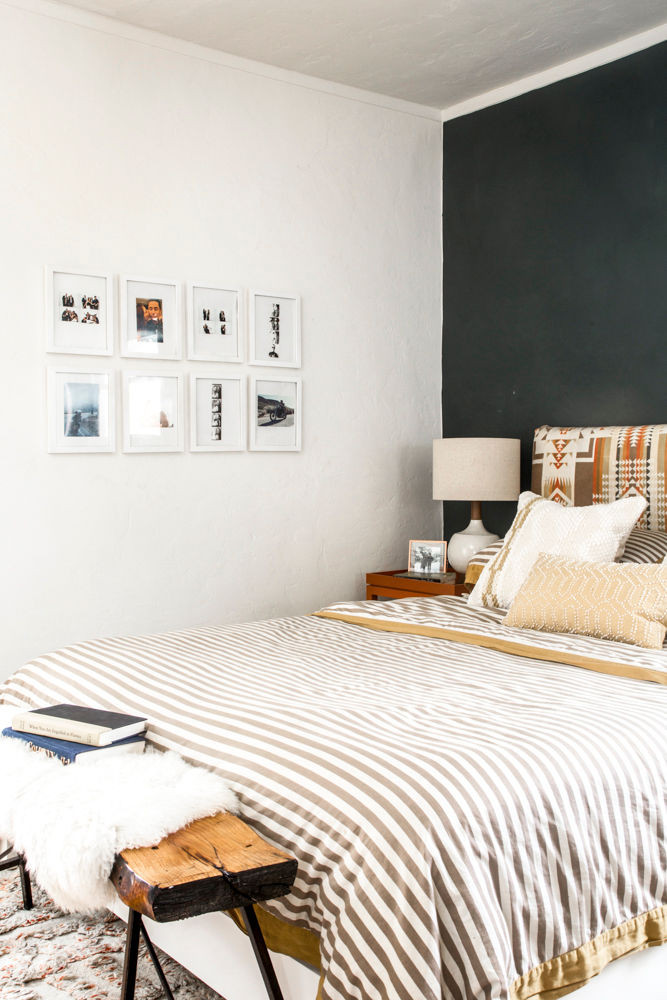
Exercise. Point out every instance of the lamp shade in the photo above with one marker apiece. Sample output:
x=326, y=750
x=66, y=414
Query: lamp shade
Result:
x=476, y=468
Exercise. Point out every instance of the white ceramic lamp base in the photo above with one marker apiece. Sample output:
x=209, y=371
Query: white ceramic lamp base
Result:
x=464, y=544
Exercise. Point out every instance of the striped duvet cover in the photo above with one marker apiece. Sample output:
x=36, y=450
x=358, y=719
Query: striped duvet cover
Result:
x=469, y=823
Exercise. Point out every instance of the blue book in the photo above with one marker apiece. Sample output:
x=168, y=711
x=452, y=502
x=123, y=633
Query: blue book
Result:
x=79, y=753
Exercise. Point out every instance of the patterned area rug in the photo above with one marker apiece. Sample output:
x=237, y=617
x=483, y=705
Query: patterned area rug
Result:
x=48, y=955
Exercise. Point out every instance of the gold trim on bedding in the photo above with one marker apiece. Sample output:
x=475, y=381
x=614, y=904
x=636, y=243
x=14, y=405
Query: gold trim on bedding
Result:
x=502, y=645
x=552, y=979
x=567, y=973
x=473, y=573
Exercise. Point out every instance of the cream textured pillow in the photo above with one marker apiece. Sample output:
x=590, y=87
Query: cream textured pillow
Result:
x=619, y=601
x=595, y=534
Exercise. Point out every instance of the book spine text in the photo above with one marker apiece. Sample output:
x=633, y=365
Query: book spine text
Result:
x=59, y=729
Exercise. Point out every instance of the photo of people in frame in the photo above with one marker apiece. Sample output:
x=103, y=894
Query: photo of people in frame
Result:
x=79, y=313
x=207, y=327
x=427, y=557
x=213, y=323
x=149, y=320
x=276, y=422
x=216, y=411
x=275, y=410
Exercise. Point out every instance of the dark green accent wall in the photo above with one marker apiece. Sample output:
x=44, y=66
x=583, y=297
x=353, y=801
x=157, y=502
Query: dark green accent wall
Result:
x=555, y=260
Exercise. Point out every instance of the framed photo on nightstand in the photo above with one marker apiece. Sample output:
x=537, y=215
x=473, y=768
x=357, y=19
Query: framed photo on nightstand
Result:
x=428, y=557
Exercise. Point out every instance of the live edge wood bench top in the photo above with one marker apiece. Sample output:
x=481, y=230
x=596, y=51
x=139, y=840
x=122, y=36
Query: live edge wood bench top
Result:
x=216, y=863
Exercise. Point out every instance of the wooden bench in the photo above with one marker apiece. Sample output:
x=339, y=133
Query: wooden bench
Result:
x=218, y=863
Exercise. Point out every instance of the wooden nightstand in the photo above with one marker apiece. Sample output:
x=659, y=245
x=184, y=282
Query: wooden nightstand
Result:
x=388, y=584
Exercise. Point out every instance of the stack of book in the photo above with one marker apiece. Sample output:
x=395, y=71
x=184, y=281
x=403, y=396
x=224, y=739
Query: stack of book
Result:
x=75, y=734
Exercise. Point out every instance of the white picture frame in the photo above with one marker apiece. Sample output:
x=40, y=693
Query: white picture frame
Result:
x=78, y=311
x=427, y=556
x=153, y=412
x=80, y=411
x=151, y=321
x=215, y=323
x=275, y=330
x=217, y=412
x=275, y=431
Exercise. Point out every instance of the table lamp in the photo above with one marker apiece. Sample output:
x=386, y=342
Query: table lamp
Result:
x=484, y=468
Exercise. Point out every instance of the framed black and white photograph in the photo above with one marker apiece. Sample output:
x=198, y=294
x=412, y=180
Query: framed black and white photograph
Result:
x=217, y=412
x=153, y=414
x=275, y=330
x=78, y=312
x=150, y=316
x=214, y=323
x=275, y=414
x=80, y=411
x=427, y=557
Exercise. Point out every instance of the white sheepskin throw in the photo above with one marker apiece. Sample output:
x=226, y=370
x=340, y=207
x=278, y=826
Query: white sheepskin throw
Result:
x=70, y=822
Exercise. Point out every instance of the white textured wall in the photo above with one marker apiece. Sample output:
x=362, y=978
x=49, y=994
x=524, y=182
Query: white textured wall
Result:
x=119, y=155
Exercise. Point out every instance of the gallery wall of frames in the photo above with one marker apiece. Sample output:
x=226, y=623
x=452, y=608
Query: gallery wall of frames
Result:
x=213, y=408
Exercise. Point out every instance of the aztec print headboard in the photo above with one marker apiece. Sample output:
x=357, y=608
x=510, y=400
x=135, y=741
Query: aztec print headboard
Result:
x=578, y=466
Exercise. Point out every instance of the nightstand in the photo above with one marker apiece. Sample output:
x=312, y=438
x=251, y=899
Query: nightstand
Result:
x=388, y=584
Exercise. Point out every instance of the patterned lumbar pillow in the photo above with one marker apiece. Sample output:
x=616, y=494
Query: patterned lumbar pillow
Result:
x=625, y=603
x=594, y=534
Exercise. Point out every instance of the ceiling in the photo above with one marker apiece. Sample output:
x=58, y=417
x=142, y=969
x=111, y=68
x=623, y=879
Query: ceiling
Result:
x=433, y=52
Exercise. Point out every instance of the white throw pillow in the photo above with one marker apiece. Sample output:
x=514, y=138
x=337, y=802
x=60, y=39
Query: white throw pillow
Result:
x=592, y=534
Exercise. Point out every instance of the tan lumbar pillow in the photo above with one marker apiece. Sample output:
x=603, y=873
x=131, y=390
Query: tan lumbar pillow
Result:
x=619, y=601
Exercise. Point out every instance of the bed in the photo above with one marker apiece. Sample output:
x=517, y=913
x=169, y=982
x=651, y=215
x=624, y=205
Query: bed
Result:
x=449, y=844
x=475, y=817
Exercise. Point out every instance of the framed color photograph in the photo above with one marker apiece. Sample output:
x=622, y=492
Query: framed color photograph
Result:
x=150, y=318
x=152, y=412
x=80, y=411
x=275, y=414
x=217, y=412
x=428, y=557
x=78, y=312
x=215, y=323
x=275, y=330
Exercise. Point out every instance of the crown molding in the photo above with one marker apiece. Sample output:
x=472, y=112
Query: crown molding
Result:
x=600, y=57
x=143, y=36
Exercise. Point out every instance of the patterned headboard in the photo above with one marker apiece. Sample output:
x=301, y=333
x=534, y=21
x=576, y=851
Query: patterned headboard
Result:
x=578, y=466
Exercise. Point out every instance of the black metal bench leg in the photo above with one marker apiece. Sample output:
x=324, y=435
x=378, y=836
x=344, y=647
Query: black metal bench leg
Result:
x=156, y=963
x=131, y=955
x=26, y=887
x=261, y=952
x=18, y=861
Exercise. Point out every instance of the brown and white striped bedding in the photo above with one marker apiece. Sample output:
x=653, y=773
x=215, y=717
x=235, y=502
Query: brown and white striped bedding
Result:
x=462, y=816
